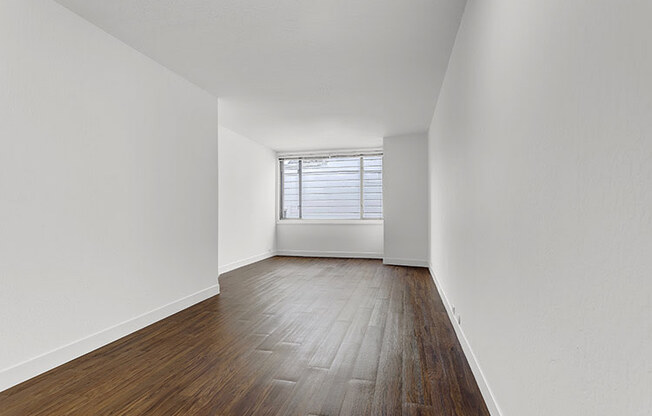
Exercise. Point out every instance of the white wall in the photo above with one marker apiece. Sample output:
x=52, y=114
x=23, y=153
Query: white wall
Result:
x=405, y=199
x=349, y=238
x=108, y=189
x=247, y=200
x=541, y=188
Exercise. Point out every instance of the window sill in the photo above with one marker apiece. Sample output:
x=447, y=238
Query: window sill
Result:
x=329, y=222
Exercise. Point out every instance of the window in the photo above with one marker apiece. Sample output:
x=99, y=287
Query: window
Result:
x=343, y=187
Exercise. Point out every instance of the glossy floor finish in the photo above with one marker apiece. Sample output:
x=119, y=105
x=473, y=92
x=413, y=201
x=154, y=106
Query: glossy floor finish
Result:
x=287, y=336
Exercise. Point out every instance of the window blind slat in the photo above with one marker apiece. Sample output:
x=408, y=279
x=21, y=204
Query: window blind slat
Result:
x=348, y=187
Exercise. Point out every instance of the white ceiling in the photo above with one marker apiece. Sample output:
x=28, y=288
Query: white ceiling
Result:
x=298, y=74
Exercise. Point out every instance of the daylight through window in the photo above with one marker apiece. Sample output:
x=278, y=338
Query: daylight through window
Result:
x=344, y=187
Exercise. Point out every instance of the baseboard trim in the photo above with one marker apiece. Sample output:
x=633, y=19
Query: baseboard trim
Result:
x=336, y=254
x=26, y=370
x=480, y=378
x=244, y=262
x=405, y=262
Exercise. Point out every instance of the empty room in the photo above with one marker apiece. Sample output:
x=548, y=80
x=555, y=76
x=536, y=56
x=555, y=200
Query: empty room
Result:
x=326, y=207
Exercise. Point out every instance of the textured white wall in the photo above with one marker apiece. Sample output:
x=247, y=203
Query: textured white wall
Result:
x=405, y=199
x=108, y=188
x=247, y=200
x=541, y=188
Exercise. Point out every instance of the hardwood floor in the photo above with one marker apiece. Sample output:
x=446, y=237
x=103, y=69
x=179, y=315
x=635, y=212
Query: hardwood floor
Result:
x=287, y=336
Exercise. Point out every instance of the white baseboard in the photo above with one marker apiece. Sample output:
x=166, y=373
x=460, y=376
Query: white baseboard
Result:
x=244, y=262
x=337, y=254
x=27, y=369
x=405, y=262
x=487, y=394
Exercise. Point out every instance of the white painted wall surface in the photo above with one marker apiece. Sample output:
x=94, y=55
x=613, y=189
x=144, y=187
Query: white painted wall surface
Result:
x=541, y=188
x=353, y=238
x=405, y=199
x=247, y=200
x=298, y=74
x=108, y=189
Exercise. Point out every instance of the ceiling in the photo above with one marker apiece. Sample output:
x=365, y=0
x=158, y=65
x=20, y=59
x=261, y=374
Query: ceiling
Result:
x=298, y=74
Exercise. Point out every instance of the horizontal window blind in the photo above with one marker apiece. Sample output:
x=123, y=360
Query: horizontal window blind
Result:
x=344, y=187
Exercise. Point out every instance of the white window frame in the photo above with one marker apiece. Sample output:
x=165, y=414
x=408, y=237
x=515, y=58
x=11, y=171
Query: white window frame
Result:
x=279, y=171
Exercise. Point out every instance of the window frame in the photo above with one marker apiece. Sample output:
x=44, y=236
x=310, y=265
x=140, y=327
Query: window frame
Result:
x=360, y=220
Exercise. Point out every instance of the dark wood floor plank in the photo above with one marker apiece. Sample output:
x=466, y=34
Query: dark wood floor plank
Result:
x=331, y=343
x=389, y=383
x=287, y=336
x=415, y=381
x=358, y=398
x=366, y=364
